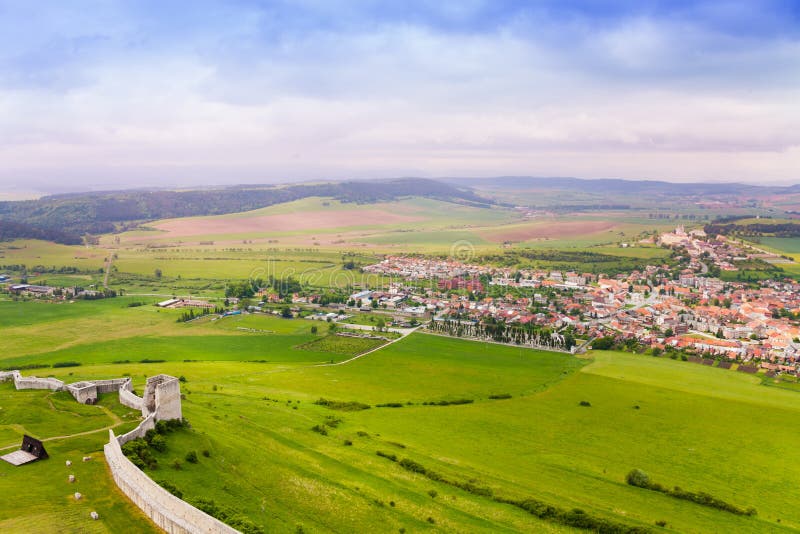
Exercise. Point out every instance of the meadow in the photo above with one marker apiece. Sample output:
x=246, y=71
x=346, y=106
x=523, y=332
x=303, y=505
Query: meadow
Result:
x=292, y=440
x=503, y=419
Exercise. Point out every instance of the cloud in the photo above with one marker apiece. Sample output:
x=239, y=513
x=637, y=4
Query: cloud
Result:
x=249, y=91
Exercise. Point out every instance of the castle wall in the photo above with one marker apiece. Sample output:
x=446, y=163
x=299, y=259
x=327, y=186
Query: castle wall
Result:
x=168, y=512
x=148, y=423
x=33, y=382
x=129, y=399
x=83, y=391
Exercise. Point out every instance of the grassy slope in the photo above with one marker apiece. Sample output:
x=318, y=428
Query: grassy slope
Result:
x=701, y=428
x=37, y=498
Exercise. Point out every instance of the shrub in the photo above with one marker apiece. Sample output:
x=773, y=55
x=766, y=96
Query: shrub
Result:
x=177, y=465
x=585, y=403
x=191, y=457
x=392, y=457
x=351, y=406
x=433, y=493
x=661, y=523
x=158, y=443
x=182, y=379
x=347, y=443
x=206, y=453
x=638, y=478
x=319, y=429
x=66, y=364
x=500, y=396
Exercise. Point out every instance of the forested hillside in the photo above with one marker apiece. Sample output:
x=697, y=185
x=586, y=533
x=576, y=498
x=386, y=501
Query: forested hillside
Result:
x=65, y=218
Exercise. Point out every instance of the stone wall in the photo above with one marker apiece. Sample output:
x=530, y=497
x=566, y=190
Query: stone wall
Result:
x=129, y=399
x=32, y=382
x=83, y=392
x=165, y=510
x=163, y=396
x=148, y=423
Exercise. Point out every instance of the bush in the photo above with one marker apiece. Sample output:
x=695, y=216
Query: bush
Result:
x=177, y=465
x=500, y=396
x=433, y=493
x=347, y=443
x=392, y=457
x=638, y=478
x=319, y=429
x=159, y=443
x=351, y=406
x=206, y=453
x=585, y=403
x=66, y=364
x=191, y=457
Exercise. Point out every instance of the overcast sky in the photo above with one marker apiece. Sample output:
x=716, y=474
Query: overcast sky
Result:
x=113, y=93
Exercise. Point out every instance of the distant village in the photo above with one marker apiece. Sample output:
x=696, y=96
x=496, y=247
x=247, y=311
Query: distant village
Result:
x=683, y=310
x=661, y=308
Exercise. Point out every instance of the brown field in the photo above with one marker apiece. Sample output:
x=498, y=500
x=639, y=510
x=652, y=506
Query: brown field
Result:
x=548, y=230
x=312, y=220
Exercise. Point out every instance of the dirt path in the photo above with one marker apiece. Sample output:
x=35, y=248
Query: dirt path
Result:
x=114, y=417
x=402, y=331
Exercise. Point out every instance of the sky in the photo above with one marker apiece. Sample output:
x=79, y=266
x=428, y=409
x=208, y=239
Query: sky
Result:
x=112, y=94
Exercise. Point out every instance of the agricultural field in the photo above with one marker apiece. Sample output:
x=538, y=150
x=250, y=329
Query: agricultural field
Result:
x=520, y=423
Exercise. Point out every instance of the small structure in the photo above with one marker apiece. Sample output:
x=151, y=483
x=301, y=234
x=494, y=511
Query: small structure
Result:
x=31, y=450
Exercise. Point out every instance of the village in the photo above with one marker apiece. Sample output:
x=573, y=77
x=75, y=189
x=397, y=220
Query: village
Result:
x=682, y=309
x=679, y=308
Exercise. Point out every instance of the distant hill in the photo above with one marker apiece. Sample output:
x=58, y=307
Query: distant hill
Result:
x=619, y=186
x=65, y=218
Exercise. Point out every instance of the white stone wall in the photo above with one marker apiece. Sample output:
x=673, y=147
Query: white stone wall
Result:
x=148, y=423
x=129, y=399
x=33, y=382
x=83, y=391
x=166, y=510
x=162, y=394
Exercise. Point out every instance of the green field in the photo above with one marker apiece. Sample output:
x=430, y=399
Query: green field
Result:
x=250, y=397
x=519, y=423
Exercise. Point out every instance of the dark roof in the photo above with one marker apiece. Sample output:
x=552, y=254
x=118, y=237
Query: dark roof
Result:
x=34, y=446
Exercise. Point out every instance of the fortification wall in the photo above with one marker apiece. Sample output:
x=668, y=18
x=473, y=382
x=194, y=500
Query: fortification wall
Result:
x=32, y=382
x=168, y=400
x=83, y=392
x=139, y=432
x=8, y=375
x=166, y=511
x=129, y=399
x=113, y=385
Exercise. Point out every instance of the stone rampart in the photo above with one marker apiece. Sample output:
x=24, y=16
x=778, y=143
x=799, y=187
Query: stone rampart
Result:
x=33, y=382
x=129, y=399
x=168, y=512
x=147, y=423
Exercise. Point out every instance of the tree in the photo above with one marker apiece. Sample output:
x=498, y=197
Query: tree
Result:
x=332, y=327
x=158, y=273
x=314, y=329
x=380, y=324
x=638, y=478
x=286, y=312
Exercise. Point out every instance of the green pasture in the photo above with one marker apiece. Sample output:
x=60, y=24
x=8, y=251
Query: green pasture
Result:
x=37, y=498
x=250, y=391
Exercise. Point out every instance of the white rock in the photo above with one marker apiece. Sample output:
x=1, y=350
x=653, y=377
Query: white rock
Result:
x=78, y=496
x=68, y=463
x=72, y=478
x=87, y=458
x=94, y=516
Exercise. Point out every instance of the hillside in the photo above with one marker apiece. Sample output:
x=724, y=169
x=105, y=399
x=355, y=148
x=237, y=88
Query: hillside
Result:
x=65, y=218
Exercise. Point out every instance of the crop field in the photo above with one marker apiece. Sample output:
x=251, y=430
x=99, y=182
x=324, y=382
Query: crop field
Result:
x=514, y=420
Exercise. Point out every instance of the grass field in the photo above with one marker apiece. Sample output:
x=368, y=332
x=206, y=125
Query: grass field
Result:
x=37, y=498
x=249, y=382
